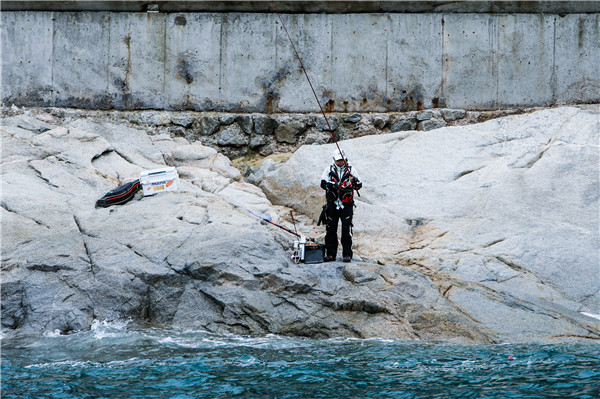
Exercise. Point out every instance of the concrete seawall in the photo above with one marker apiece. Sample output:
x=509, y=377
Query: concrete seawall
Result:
x=242, y=62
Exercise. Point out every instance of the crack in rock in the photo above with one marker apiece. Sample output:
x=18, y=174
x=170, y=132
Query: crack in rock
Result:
x=41, y=267
x=538, y=156
x=466, y=172
x=85, y=246
x=6, y=207
x=39, y=174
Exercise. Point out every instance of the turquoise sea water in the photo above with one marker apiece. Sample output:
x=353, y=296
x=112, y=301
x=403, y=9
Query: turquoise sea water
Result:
x=116, y=360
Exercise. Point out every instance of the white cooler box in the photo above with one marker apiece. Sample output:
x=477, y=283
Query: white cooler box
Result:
x=159, y=180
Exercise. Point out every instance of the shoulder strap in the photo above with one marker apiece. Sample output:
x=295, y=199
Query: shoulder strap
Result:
x=333, y=173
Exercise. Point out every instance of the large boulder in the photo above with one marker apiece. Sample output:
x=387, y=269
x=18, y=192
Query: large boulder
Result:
x=502, y=216
x=194, y=258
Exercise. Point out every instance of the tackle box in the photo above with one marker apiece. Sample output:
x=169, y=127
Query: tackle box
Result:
x=159, y=180
x=313, y=253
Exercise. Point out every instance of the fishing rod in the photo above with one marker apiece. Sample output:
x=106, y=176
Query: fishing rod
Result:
x=314, y=93
x=293, y=221
x=274, y=224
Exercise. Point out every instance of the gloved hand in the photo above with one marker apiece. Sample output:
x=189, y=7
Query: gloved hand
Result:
x=332, y=186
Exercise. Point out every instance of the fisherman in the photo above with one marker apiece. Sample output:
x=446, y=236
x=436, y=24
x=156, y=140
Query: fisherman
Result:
x=339, y=181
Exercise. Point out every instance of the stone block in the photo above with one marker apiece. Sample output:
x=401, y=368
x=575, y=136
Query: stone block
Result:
x=450, y=115
x=353, y=118
x=245, y=122
x=264, y=125
x=207, y=125
x=233, y=136
x=524, y=58
x=247, y=75
x=321, y=123
x=184, y=119
x=404, y=124
x=379, y=121
x=577, y=47
x=136, y=57
x=227, y=119
x=423, y=116
x=414, y=51
x=431, y=124
x=469, y=63
x=288, y=131
x=259, y=141
x=80, y=59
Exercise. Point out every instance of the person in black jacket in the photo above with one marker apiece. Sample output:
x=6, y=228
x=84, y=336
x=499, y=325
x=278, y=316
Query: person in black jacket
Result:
x=339, y=181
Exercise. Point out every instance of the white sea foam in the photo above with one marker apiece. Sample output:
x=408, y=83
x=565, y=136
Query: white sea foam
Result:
x=55, y=333
x=109, y=329
x=84, y=364
x=69, y=363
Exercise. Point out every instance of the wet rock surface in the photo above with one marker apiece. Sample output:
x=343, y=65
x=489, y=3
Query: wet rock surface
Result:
x=468, y=235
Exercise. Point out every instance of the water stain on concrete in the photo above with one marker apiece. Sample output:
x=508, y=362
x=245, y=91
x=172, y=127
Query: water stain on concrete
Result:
x=180, y=20
x=184, y=70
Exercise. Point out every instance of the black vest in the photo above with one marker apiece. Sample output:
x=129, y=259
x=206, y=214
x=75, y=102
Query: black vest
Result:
x=346, y=194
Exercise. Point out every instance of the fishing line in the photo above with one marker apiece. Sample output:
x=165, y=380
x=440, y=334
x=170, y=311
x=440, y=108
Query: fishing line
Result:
x=311, y=86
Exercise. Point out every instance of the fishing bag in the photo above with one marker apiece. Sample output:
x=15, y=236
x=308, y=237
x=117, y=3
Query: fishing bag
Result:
x=119, y=195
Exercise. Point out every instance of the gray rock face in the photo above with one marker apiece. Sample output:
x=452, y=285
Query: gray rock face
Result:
x=193, y=258
x=453, y=114
x=424, y=116
x=245, y=122
x=321, y=123
x=353, y=118
x=264, y=124
x=502, y=216
x=234, y=136
x=301, y=129
x=431, y=124
x=258, y=141
x=182, y=119
x=288, y=129
x=403, y=124
x=207, y=125
x=380, y=120
x=227, y=119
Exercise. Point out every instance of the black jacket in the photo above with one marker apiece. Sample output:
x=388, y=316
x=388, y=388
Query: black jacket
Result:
x=340, y=183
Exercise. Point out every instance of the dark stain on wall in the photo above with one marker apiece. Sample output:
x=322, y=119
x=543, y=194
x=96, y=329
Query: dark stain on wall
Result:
x=180, y=20
x=126, y=98
x=438, y=102
x=330, y=105
x=184, y=70
x=411, y=99
x=269, y=102
x=270, y=86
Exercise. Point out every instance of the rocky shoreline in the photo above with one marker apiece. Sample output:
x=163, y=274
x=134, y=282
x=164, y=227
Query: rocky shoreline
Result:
x=483, y=233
